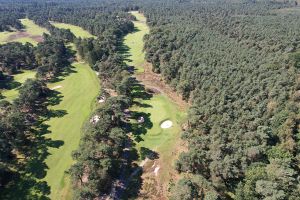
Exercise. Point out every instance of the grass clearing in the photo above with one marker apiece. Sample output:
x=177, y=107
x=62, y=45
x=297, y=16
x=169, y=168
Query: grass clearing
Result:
x=136, y=56
x=32, y=33
x=78, y=92
x=18, y=79
x=76, y=30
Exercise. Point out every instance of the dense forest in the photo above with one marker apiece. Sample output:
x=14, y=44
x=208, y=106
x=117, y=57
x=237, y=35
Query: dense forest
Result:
x=237, y=62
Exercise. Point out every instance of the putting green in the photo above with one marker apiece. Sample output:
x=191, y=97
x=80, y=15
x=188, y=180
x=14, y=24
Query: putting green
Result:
x=76, y=30
x=158, y=108
x=32, y=33
x=156, y=138
x=135, y=42
x=78, y=91
x=20, y=78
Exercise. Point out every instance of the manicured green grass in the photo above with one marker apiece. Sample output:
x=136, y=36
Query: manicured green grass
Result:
x=78, y=92
x=31, y=33
x=157, y=109
x=10, y=95
x=160, y=140
x=135, y=42
x=76, y=30
x=33, y=28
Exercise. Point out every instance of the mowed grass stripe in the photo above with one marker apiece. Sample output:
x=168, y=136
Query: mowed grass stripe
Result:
x=136, y=43
x=79, y=90
x=76, y=30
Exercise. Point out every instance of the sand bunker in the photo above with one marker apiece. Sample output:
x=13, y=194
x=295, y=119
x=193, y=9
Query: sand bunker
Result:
x=166, y=124
x=156, y=170
x=56, y=87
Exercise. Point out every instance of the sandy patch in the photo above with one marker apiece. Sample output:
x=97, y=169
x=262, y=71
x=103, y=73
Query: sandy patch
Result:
x=95, y=119
x=156, y=170
x=166, y=124
x=144, y=162
x=56, y=87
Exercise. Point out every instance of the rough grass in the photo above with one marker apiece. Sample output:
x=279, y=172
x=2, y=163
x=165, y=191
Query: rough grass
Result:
x=135, y=42
x=78, y=92
x=18, y=79
x=32, y=33
x=76, y=30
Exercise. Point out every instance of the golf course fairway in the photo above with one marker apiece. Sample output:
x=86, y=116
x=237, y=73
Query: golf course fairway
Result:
x=79, y=91
x=32, y=33
x=76, y=30
x=157, y=109
x=135, y=42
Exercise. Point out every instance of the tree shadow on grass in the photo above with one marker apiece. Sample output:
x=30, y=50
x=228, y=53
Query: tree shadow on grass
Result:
x=123, y=49
x=148, y=153
x=54, y=98
x=139, y=128
x=25, y=187
x=26, y=182
x=139, y=92
x=69, y=69
x=141, y=105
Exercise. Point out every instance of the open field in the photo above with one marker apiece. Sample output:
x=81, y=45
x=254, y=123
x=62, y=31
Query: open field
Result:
x=76, y=30
x=136, y=56
x=78, y=92
x=18, y=79
x=32, y=33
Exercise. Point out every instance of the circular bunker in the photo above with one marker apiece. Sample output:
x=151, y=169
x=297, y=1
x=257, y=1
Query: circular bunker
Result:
x=166, y=124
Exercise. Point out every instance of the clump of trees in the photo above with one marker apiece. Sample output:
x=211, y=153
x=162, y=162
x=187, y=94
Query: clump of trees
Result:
x=99, y=156
x=15, y=57
x=49, y=57
x=10, y=21
x=19, y=138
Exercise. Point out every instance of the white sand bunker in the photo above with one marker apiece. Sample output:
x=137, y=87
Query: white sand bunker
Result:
x=166, y=124
x=156, y=170
x=56, y=87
